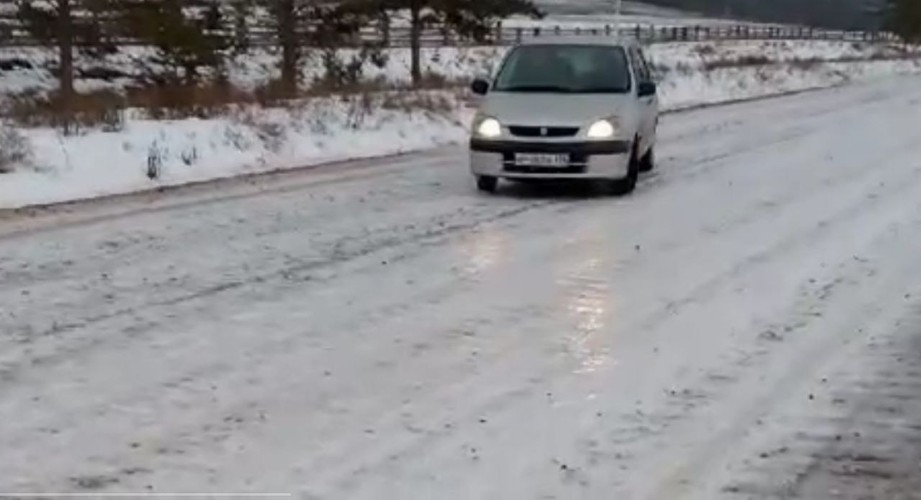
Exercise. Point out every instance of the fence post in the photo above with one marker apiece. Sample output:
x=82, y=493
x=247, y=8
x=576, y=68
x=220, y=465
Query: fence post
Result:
x=499, y=33
x=385, y=32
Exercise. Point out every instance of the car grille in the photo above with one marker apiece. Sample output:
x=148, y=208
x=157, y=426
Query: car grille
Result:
x=518, y=169
x=521, y=131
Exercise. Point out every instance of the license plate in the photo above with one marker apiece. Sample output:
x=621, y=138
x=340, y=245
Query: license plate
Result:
x=541, y=160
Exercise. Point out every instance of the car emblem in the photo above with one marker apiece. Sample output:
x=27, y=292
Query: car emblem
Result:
x=543, y=131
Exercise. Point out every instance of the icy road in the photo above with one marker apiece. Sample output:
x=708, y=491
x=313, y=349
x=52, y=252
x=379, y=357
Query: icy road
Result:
x=746, y=325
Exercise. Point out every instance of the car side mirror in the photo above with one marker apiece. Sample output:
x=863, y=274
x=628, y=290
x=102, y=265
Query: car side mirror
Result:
x=479, y=86
x=647, y=89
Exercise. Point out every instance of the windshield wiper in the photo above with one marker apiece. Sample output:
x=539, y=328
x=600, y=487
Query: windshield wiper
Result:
x=536, y=88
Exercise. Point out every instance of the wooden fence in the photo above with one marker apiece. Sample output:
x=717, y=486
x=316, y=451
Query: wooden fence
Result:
x=399, y=37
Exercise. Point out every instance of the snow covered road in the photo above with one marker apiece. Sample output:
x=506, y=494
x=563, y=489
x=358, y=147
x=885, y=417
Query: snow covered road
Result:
x=747, y=325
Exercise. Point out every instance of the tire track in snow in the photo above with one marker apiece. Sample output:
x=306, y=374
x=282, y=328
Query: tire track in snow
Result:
x=821, y=230
x=857, y=438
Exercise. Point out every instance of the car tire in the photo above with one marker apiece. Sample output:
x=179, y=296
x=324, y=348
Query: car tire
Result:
x=487, y=183
x=648, y=162
x=627, y=185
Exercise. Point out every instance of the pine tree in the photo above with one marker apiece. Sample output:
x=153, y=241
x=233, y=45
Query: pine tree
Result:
x=905, y=19
x=67, y=25
x=469, y=18
x=298, y=24
x=287, y=20
x=241, y=11
x=185, y=39
x=475, y=18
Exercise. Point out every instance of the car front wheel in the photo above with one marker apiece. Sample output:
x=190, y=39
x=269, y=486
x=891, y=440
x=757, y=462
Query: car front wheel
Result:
x=628, y=184
x=648, y=161
x=487, y=184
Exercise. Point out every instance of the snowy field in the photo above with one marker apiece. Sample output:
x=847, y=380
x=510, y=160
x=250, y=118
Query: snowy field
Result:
x=572, y=13
x=322, y=130
x=598, y=13
x=746, y=325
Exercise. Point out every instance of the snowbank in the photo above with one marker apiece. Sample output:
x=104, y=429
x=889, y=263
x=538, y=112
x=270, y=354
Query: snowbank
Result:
x=101, y=163
x=176, y=152
x=681, y=89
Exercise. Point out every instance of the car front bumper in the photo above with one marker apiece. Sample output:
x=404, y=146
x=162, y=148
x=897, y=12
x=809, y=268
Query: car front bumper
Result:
x=588, y=159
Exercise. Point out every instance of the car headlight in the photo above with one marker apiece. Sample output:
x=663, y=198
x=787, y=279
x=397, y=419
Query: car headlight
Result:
x=489, y=128
x=602, y=129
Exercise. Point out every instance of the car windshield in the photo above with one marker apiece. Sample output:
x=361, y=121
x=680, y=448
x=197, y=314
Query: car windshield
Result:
x=565, y=69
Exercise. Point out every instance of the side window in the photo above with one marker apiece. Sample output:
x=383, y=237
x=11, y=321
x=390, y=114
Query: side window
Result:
x=650, y=74
x=639, y=68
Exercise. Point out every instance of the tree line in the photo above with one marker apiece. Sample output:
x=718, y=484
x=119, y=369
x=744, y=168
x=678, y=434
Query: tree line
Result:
x=189, y=36
x=902, y=17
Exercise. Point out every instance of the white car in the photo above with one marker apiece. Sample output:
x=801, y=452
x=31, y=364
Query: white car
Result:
x=566, y=108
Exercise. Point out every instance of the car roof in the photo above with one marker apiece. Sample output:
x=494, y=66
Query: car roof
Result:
x=596, y=40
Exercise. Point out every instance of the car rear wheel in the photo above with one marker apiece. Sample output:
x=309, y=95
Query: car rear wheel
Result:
x=648, y=162
x=487, y=184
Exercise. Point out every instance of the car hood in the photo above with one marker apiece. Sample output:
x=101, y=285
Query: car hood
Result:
x=541, y=109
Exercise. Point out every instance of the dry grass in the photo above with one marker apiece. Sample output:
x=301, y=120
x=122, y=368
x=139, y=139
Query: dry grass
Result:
x=416, y=101
x=83, y=111
x=15, y=149
x=806, y=64
x=705, y=50
x=323, y=115
x=175, y=102
x=106, y=110
x=737, y=62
